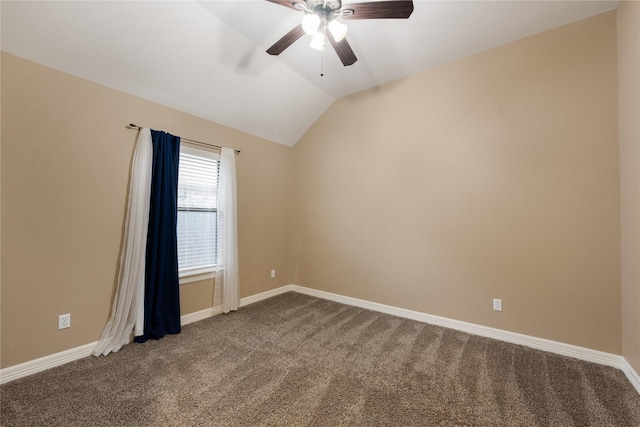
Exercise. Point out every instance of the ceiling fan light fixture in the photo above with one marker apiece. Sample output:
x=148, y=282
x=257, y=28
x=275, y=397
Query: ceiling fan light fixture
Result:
x=317, y=42
x=310, y=23
x=321, y=15
x=338, y=30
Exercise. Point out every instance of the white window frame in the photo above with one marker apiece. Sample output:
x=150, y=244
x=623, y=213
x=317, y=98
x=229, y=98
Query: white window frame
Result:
x=191, y=276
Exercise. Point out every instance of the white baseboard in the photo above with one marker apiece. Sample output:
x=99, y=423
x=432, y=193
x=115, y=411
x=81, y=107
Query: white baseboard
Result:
x=198, y=315
x=37, y=365
x=43, y=363
x=581, y=353
x=633, y=376
x=264, y=295
x=209, y=312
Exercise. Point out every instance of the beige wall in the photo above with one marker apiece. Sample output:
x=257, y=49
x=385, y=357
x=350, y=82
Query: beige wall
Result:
x=65, y=166
x=495, y=176
x=628, y=15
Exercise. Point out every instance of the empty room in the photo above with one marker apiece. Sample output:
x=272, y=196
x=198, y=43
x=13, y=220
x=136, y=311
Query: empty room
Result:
x=320, y=213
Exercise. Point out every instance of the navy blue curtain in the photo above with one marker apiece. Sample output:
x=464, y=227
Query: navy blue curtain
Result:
x=162, y=289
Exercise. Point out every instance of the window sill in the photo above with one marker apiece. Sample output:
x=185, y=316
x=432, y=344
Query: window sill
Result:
x=196, y=276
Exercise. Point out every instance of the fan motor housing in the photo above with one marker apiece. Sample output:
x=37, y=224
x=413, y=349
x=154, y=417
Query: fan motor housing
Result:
x=330, y=5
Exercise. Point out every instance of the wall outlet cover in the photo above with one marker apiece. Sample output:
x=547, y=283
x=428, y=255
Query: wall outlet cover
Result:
x=64, y=321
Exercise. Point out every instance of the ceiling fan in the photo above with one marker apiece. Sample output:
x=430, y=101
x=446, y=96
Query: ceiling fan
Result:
x=320, y=21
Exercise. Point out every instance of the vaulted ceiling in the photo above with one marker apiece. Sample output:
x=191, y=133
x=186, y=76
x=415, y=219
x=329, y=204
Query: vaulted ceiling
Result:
x=208, y=58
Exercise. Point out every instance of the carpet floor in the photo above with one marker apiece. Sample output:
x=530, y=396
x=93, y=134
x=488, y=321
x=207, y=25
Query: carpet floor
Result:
x=296, y=360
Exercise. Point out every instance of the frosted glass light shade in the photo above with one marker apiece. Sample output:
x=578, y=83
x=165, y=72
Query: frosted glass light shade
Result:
x=310, y=23
x=317, y=42
x=338, y=30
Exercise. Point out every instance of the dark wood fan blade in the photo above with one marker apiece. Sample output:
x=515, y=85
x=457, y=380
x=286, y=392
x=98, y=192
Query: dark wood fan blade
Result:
x=285, y=3
x=286, y=41
x=392, y=9
x=343, y=49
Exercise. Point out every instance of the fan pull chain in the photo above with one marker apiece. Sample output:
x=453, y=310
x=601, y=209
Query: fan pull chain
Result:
x=322, y=63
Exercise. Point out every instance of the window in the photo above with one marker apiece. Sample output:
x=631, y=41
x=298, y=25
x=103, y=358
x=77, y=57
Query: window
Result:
x=197, y=215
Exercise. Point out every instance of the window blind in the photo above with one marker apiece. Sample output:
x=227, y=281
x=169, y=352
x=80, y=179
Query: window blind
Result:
x=197, y=215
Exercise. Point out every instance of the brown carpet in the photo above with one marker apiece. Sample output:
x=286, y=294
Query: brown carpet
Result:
x=295, y=360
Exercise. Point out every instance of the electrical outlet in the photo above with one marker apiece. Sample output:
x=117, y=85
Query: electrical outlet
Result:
x=273, y=274
x=64, y=321
x=497, y=304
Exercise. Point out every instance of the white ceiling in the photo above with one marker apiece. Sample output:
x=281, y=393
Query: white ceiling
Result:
x=208, y=58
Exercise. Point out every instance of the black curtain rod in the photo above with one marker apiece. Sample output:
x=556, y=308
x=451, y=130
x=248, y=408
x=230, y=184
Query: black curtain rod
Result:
x=132, y=126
